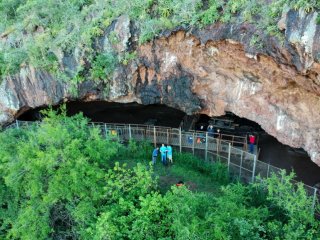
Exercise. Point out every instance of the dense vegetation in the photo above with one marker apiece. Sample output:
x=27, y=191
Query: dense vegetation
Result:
x=63, y=180
x=37, y=32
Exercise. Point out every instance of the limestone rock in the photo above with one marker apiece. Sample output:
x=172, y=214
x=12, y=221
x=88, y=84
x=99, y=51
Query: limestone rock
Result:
x=209, y=71
x=122, y=29
x=282, y=24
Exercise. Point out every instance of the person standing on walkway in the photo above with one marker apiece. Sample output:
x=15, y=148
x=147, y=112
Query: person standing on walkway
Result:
x=169, y=154
x=190, y=140
x=252, y=139
x=155, y=155
x=163, y=151
x=210, y=131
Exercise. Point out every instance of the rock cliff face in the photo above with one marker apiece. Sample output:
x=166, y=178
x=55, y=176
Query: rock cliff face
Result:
x=221, y=68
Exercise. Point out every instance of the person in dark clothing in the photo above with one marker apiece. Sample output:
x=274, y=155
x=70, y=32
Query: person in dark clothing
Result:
x=190, y=139
x=210, y=131
x=155, y=155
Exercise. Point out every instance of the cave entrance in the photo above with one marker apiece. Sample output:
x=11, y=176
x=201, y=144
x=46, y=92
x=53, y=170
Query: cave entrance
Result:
x=268, y=148
x=109, y=112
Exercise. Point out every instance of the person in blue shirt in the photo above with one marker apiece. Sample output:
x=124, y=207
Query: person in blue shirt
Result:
x=169, y=154
x=155, y=155
x=163, y=151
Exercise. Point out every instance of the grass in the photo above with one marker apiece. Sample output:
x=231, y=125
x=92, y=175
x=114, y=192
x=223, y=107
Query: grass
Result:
x=198, y=175
x=193, y=179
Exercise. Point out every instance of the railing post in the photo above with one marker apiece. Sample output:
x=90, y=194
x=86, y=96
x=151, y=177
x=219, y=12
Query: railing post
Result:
x=314, y=199
x=268, y=170
x=168, y=136
x=180, y=140
x=193, y=141
x=130, y=132
x=254, y=167
x=206, y=153
x=241, y=158
x=105, y=130
x=229, y=157
x=154, y=136
x=17, y=124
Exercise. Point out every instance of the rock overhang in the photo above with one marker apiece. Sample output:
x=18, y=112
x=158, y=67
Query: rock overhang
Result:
x=208, y=71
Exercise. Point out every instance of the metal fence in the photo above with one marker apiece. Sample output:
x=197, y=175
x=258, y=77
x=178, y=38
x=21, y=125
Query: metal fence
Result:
x=241, y=164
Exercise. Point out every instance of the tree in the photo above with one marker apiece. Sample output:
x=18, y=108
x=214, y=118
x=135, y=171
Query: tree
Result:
x=52, y=177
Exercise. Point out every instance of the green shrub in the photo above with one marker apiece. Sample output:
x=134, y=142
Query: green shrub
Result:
x=50, y=174
x=141, y=150
x=128, y=56
x=61, y=180
x=103, y=67
x=210, y=15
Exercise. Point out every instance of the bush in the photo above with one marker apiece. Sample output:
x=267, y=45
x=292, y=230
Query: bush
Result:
x=103, y=67
x=52, y=177
x=61, y=180
x=137, y=151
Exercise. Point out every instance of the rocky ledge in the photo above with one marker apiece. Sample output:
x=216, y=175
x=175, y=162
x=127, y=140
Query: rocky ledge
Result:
x=221, y=68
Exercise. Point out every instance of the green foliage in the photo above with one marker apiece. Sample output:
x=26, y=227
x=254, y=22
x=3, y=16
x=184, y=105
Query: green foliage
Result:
x=103, y=67
x=295, y=204
x=256, y=41
x=49, y=174
x=12, y=60
x=136, y=151
x=124, y=190
x=113, y=37
x=36, y=32
x=233, y=218
x=61, y=180
x=210, y=15
x=307, y=6
x=128, y=56
x=216, y=171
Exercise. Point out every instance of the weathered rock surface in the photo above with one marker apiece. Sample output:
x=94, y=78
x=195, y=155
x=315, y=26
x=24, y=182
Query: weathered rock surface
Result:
x=206, y=71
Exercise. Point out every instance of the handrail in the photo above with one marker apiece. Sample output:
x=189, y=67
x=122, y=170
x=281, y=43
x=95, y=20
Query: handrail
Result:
x=216, y=135
x=224, y=137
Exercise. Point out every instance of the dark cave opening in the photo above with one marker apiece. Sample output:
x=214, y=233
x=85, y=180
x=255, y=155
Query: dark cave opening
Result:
x=270, y=150
x=229, y=124
x=110, y=112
